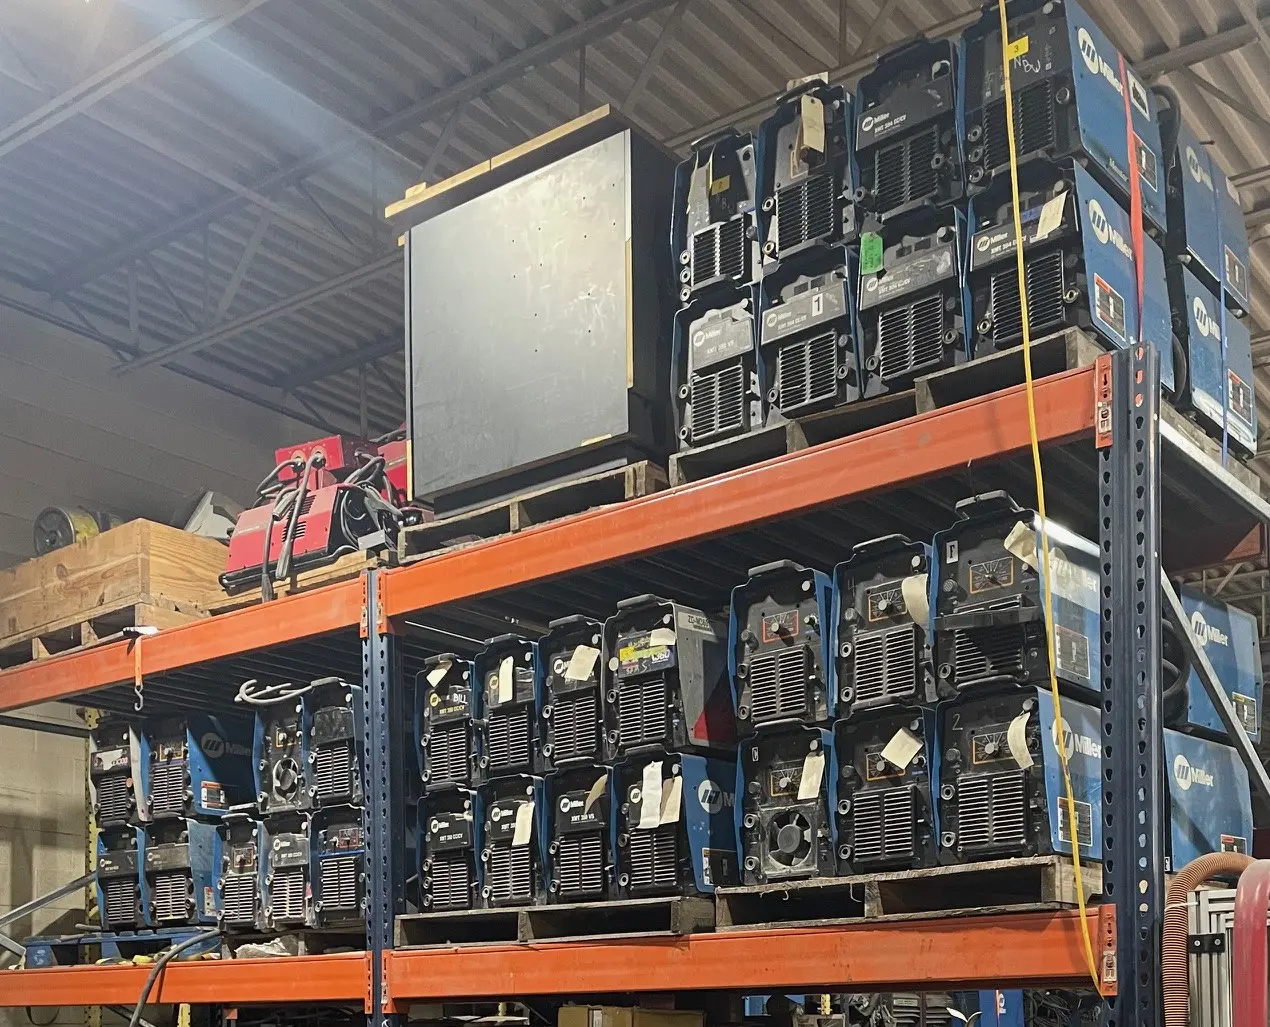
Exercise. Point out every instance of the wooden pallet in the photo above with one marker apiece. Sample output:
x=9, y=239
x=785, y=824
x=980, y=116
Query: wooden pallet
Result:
x=458, y=927
x=118, y=946
x=308, y=942
x=138, y=574
x=1031, y=883
x=635, y=918
x=347, y=566
x=532, y=508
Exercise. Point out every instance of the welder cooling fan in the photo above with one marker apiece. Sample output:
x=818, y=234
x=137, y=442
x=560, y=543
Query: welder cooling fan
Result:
x=789, y=837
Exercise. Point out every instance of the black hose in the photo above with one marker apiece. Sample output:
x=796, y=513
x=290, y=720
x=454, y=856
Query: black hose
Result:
x=1171, y=126
x=164, y=958
x=316, y=459
x=266, y=582
x=271, y=479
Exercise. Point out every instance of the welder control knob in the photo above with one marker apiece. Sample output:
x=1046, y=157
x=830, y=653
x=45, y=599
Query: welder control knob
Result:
x=784, y=782
x=851, y=616
x=813, y=621
x=754, y=788
x=749, y=638
x=990, y=747
x=789, y=838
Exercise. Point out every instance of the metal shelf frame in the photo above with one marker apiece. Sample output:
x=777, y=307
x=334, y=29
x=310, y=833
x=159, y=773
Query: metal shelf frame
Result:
x=1110, y=467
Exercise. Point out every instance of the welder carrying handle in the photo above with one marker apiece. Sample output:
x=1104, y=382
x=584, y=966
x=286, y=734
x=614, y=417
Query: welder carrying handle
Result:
x=972, y=620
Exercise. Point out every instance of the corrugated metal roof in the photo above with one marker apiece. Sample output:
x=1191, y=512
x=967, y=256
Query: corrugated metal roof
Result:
x=194, y=171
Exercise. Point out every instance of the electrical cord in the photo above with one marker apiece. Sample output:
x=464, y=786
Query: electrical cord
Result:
x=164, y=959
x=1008, y=53
x=254, y=693
x=316, y=459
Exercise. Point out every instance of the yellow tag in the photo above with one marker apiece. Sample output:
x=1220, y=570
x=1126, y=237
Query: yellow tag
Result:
x=720, y=185
x=1016, y=48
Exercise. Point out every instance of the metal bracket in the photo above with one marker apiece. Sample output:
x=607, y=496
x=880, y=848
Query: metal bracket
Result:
x=1102, y=401
x=1206, y=944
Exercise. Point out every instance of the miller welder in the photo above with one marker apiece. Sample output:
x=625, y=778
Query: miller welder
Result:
x=1229, y=638
x=714, y=370
x=339, y=866
x=913, y=300
x=1210, y=802
x=882, y=598
x=1080, y=267
x=122, y=897
x=336, y=741
x=514, y=842
x=507, y=669
x=182, y=859
x=779, y=647
x=1001, y=789
x=117, y=767
x=666, y=680
x=580, y=828
x=885, y=810
x=287, y=845
x=787, y=792
x=989, y=607
x=1068, y=85
x=902, y=1009
x=809, y=359
x=447, y=713
x=805, y=171
x=199, y=765
x=241, y=864
x=571, y=659
x=1203, y=333
x=712, y=226
x=280, y=753
x=908, y=137
x=450, y=844
x=676, y=834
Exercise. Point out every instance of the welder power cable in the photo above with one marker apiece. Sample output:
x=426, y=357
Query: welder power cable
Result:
x=1008, y=54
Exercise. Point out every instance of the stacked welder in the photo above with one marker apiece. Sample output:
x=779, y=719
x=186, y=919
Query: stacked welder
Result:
x=884, y=737
x=908, y=151
x=115, y=769
x=781, y=667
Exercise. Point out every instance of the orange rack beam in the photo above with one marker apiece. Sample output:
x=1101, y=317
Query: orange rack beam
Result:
x=930, y=444
x=289, y=619
x=1014, y=950
x=300, y=979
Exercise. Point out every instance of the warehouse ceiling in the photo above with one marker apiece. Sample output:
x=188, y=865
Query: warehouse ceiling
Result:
x=200, y=183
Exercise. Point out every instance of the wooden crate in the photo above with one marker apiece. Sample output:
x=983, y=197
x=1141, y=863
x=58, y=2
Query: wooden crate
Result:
x=141, y=573
x=634, y=918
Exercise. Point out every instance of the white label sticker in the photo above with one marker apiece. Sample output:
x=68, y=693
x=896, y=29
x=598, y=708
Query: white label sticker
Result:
x=1051, y=216
x=650, y=797
x=1016, y=739
x=813, y=117
x=438, y=672
x=902, y=747
x=1021, y=543
x=505, y=671
x=661, y=636
x=524, y=824
x=672, y=801
x=581, y=663
x=916, y=592
x=813, y=771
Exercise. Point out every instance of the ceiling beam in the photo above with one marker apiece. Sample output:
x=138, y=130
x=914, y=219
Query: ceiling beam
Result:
x=342, y=362
x=240, y=269
x=1221, y=96
x=1196, y=52
x=262, y=316
x=667, y=33
x=410, y=117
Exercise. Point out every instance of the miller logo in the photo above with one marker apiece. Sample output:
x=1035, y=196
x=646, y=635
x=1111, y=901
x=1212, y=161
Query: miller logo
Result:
x=1073, y=743
x=1206, y=632
x=1197, y=170
x=1094, y=62
x=866, y=125
x=213, y=745
x=712, y=798
x=1185, y=775
x=1103, y=230
x=984, y=242
x=1205, y=325
x=871, y=284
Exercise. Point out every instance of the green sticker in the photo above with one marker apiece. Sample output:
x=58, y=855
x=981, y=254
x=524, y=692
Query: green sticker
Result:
x=870, y=253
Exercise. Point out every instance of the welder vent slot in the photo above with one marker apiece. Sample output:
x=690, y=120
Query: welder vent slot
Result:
x=1045, y=308
x=778, y=683
x=990, y=810
x=338, y=878
x=575, y=726
x=509, y=874
x=885, y=665
x=508, y=737
x=642, y=711
x=448, y=755
x=654, y=858
x=883, y=828
x=911, y=337
x=807, y=371
x=718, y=403
x=333, y=770
x=170, y=896
x=114, y=799
x=286, y=894
x=580, y=865
x=719, y=252
x=902, y=172
x=451, y=874
x=804, y=212
x=167, y=788
x=1033, y=124
x=988, y=652
x=238, y=899
x=119, y=902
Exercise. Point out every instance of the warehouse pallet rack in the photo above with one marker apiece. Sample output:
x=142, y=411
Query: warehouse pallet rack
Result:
x=1113, y=472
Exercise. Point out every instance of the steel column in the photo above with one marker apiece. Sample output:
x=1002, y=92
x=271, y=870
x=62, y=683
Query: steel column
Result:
x=1133, y=730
